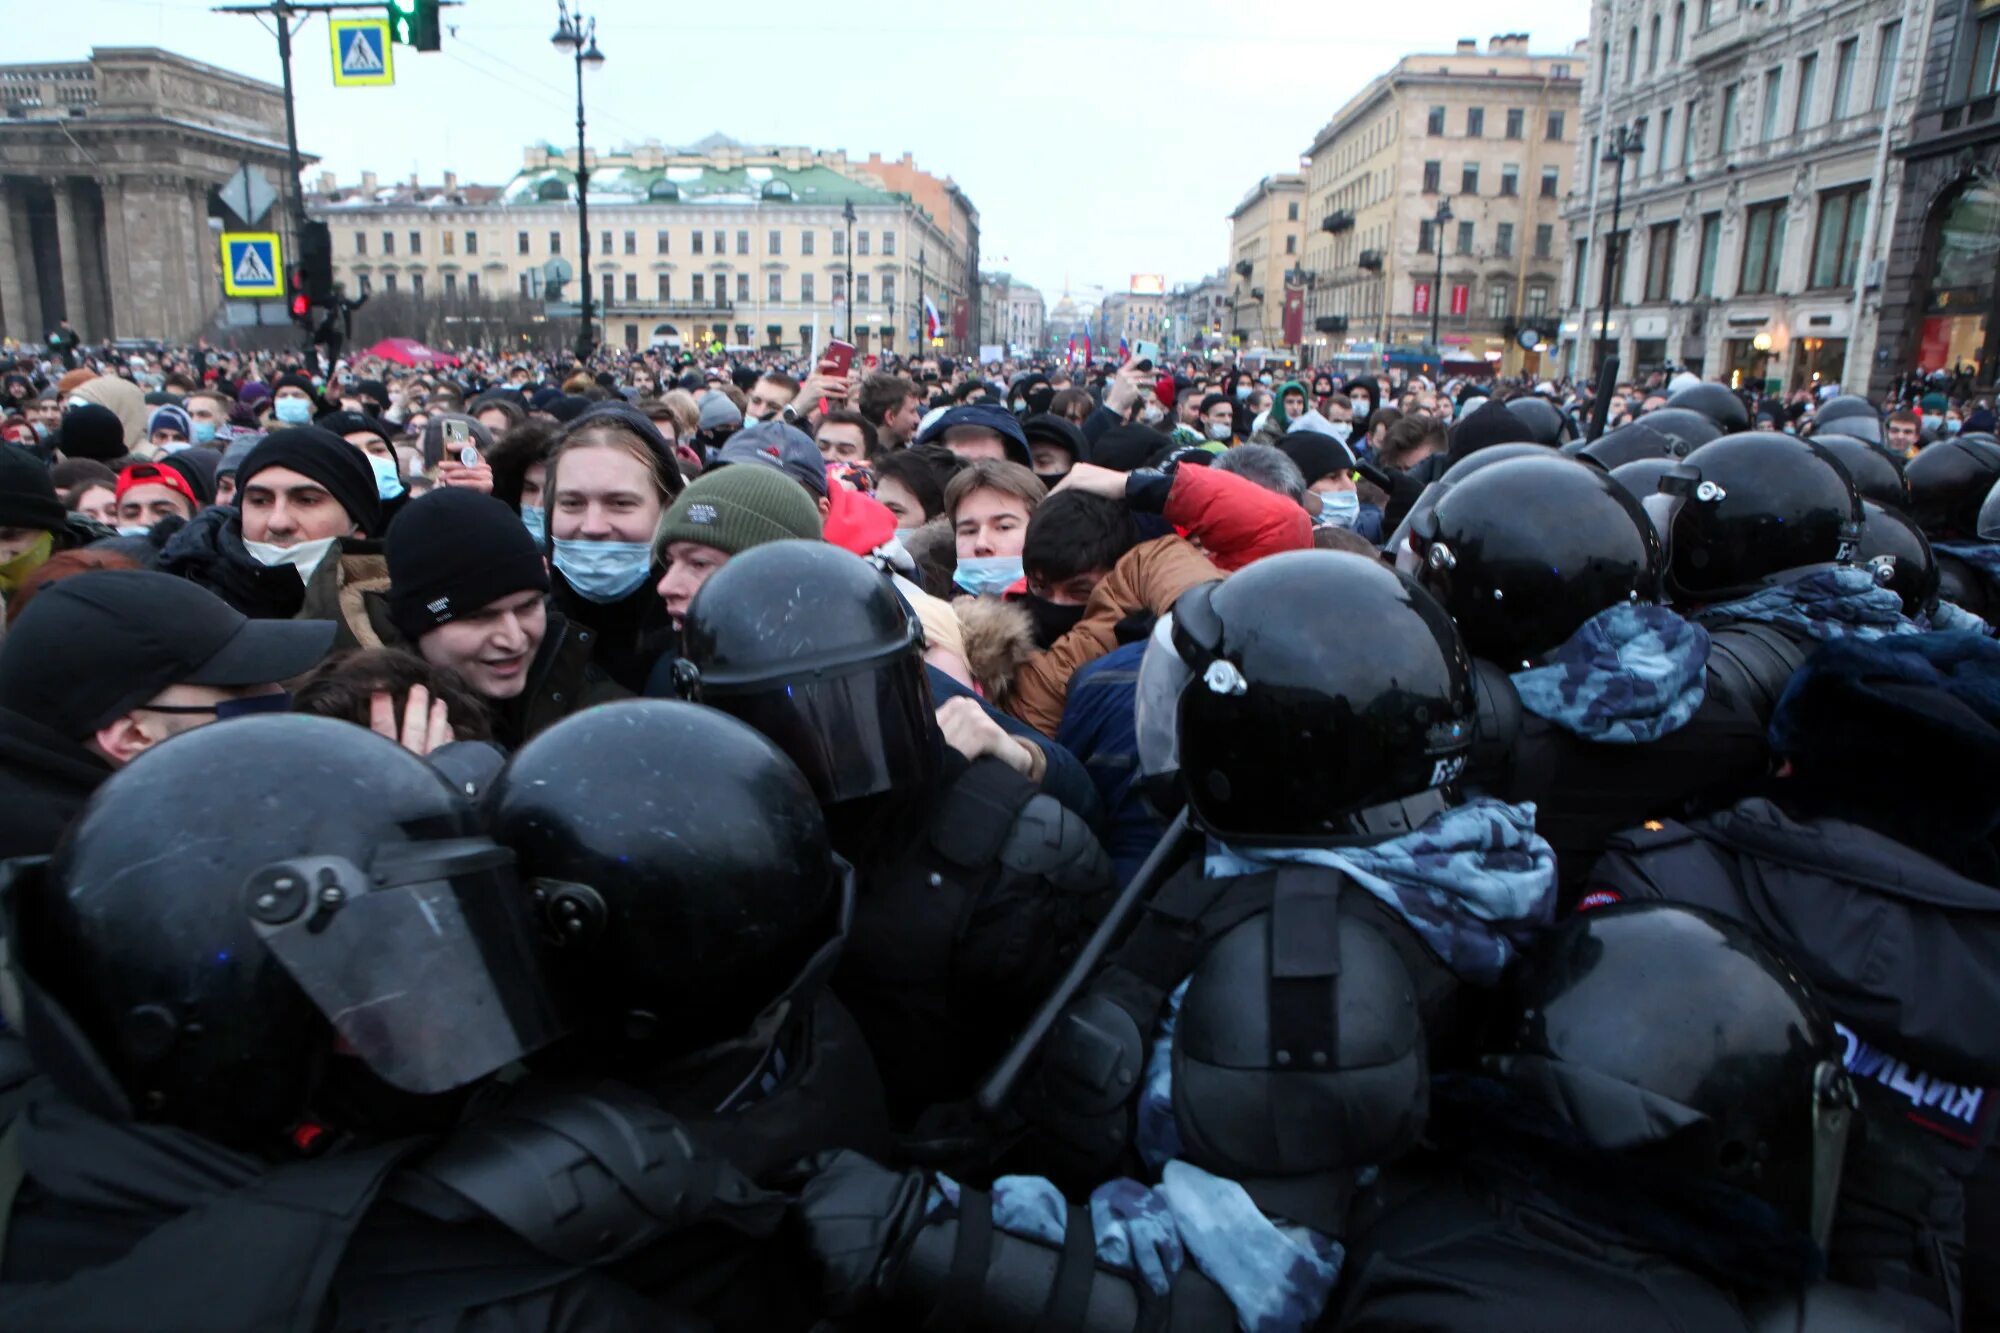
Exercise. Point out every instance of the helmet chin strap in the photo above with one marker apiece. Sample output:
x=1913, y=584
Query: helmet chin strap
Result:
x=1393, y=818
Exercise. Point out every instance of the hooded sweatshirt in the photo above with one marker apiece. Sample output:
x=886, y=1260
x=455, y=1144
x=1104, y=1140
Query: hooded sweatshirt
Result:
x=1825, y=603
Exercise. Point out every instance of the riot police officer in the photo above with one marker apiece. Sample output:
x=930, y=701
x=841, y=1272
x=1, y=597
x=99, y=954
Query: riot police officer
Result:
x=682, y=869
x=1949, y=481
x=1597, y=704
x=239, y=1016
x=1653, y=1143
x=974, y=887
x=1761, y=533
x=1880, y=892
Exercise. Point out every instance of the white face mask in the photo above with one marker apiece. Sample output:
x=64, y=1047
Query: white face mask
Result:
x=1342, y=430
x=305, y=557
x=1152, y=413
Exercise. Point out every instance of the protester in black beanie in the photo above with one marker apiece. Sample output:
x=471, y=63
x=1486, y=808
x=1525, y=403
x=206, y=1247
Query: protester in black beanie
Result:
x=451, y=553
x=1486, y=425
x=328, y=460
x=91, y=430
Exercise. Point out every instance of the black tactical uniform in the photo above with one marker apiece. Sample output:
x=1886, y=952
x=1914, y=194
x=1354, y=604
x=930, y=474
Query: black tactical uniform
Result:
x=1903, y=948
x=974, y=887
x=1653, y=1146
x=181, y=988
x=682, y=866
x=1529, y=554
x=1302, y=1007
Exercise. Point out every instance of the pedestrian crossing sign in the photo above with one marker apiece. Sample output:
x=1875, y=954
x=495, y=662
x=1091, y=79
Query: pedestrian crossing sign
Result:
x=252, y=264
x=361, y=56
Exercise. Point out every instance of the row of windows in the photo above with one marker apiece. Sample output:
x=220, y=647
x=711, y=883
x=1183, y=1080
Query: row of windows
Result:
x=1363, y=145
x=700, y=287
x=1781, y=113
x=610, y=242
x=451, y=285
x=1833, y=261
x=1503, y=239
x=1510, y=179
x=1366, y=300
x=1516, y=123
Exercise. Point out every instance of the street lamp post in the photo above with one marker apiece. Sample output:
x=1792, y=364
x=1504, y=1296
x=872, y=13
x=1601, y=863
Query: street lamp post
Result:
x=847, y=216
x=1623, y=143
x=1438, y=219
x=923, y=334
x=578, y=36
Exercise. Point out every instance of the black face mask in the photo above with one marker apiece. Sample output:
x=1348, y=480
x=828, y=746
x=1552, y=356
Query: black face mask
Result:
x=1051, y=621
x=1052, y=479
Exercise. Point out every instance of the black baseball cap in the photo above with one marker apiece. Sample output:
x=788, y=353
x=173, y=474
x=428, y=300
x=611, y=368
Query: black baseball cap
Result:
x=94, y=646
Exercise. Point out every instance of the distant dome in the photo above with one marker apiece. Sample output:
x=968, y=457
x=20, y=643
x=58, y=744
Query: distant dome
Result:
x=552, y=191
x=777, y=190
x=663, y=189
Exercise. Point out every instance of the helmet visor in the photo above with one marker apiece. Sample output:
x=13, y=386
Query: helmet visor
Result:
x=855, y=735
x=425, y=964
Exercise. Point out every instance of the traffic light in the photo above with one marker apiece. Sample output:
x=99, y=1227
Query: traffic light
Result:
x=316, y=261
x=414, y=23
x=300, y=301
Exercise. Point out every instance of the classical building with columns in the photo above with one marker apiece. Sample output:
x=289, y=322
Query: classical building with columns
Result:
x=108, y=170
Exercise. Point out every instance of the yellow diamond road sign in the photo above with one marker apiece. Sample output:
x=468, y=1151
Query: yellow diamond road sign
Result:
x=252, y=264
x=361, y=56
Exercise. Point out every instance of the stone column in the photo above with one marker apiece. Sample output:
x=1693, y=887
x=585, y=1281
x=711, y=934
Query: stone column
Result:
x=117, y=262
x=16, y=205
x=14, y=312
x=206, y=289
x=69, y=239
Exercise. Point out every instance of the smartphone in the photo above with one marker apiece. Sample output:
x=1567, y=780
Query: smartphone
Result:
x=837, y=358
x=458, y=435
x=1146, y=352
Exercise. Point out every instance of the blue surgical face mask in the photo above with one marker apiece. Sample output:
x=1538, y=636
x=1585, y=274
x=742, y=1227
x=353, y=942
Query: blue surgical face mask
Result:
x=987, y=575
x=603, y=572
x=204, y=432
x=1952, y=427
x=388, y=478
x=536, y=522
x=1361, y=409
x=1338, y=509
x=133, y=529
x=1242, y=393
x=293, y=411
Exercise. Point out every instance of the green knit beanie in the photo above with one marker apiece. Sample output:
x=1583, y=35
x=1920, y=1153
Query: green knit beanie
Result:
x=737, y=507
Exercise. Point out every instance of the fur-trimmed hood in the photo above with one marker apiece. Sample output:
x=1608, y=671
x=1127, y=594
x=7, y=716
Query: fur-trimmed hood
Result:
x=999, y=640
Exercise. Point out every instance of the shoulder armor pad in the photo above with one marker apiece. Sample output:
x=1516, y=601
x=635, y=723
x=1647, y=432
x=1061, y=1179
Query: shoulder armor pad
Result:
x=1050, y=840
x=591, y=1177
x=1751, y=663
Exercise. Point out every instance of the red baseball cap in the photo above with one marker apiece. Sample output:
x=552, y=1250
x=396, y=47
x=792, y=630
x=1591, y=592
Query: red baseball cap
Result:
x=152, y=474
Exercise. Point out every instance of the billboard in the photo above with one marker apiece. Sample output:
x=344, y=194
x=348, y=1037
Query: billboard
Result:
x=1149, y=284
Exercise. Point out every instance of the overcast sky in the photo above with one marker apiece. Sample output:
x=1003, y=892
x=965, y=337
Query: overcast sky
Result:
x=1097, y=138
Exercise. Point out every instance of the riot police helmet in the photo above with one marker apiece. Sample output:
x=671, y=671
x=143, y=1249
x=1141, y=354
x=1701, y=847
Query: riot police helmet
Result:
x=1549, y=423
x=812, y=646
x=1842, y=407
x=1676, y=1035
x=1523, y=553
x=1748, y=509
x=1718, y=402
x=1949, y=482
x=678, y=863
x=1988, y=525
x=1876, y=473
x=1285, y=732
x=1669, y=432
x=1641, y=476
x=334, y=894
x=1895, y=550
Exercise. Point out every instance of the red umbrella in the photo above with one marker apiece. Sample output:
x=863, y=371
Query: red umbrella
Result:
x=408, y=352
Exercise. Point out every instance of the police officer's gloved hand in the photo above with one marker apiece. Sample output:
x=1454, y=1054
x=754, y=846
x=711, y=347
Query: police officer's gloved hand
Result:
x=859, y=1218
